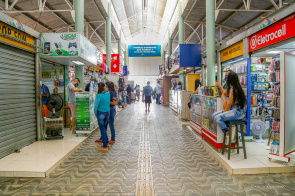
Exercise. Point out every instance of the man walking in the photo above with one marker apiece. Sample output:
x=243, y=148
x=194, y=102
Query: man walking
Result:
x=147, y=95
x=71, y=89
x=129, y=89
x=158, y=91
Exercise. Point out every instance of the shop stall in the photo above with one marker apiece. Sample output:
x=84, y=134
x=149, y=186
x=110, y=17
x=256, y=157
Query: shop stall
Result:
x=202, y=109
x=272, y=52
x=73, y=49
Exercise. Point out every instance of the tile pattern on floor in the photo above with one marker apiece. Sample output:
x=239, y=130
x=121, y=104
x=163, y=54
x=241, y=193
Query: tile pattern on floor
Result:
x=180, y=165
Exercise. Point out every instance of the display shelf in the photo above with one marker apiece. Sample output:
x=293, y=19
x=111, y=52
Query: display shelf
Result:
x=283, y=127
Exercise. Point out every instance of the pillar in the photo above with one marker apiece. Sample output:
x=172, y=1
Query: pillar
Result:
x=210, y=42
x=162, y=54
x=120, y=44
x=126, y=56
x=169, y=44
x=108, y=35
x=79, y=28
x=219, y=67
x=181, y=39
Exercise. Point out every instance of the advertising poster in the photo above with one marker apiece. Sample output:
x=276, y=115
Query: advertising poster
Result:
x=59, y=44
x=115, y=62
x=144, y=50
x=82, y=112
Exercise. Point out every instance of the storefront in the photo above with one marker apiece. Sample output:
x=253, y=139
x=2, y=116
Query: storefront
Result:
x=18, y=75
x=272, y=51
x=72, y=50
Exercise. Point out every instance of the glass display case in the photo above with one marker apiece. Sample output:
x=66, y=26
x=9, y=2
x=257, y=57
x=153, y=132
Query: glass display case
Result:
x=173, y=100
x=196, y=113
x=208, y=109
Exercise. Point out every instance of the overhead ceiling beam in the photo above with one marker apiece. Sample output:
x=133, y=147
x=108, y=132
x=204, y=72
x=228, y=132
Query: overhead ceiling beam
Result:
x=34, y=19
x=236, y=10
x=124, y=8
x=12, y=5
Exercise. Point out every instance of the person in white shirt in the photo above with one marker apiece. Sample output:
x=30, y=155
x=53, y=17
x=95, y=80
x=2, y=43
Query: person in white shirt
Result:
x=158, y=91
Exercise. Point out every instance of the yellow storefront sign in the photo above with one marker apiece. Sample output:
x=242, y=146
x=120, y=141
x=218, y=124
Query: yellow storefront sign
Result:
x=13, y=36
x=232, y=51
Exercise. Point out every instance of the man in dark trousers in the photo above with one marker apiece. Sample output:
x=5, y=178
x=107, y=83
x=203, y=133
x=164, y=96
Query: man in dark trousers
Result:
x=147, y=96
x=129, y=89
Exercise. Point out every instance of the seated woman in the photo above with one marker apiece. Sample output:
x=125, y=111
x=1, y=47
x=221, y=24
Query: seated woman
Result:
x=234, y=108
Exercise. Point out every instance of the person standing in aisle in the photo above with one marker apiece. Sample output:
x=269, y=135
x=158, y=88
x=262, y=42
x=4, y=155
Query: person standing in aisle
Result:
x=147, y=96
x=102, y=113
x=71, y=89
x=138, y=92
x=87, y=88
x=129, y=89
x=158, y=92
x=110, y=87
x=197, y=85
x=234, y=108
x=45, y=94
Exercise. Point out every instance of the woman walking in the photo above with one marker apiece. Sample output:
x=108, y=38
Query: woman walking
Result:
x=102, y=112
x=234, y=108
x=137, y=92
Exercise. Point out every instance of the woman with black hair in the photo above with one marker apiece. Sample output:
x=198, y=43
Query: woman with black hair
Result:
x=234, y=108
x=102, y=112
x=113, y=97
x=197, y=85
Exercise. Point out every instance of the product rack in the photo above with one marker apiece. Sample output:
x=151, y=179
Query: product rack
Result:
x=284, y=136
x=196, y=113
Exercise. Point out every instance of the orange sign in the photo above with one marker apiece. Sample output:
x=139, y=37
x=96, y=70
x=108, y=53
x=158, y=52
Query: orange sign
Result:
x=16, y=37
x=232, y=51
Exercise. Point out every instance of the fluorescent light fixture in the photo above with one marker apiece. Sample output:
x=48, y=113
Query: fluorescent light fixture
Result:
x=274, y=52
x=78, y=62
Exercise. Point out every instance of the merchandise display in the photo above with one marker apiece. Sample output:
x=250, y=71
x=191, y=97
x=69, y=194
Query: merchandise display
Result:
x=196, y=113
x=173, y=100
x=86, y=122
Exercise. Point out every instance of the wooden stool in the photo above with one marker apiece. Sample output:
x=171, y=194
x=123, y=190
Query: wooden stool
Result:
x=231, y=124
x=66, y=111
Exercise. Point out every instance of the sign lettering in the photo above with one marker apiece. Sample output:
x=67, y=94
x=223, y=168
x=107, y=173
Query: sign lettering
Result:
x=232, y=51
x=274, y=33
x=15, y=33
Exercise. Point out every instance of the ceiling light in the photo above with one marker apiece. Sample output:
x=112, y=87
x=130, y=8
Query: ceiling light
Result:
x=78, y=62
x=274, y=52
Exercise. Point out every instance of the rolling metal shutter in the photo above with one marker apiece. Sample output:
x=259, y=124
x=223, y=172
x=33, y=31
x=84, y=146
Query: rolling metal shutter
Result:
x=18, y=124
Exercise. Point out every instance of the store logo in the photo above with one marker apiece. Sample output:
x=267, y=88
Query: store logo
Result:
x=262, y=39
x=71, y=36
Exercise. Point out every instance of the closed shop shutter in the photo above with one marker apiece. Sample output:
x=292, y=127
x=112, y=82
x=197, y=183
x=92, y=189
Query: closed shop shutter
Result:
x=18, y=124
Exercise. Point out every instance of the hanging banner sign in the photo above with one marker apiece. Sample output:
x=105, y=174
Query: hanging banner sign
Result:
x=115, y=62
x=274, y=33
x=144, y=50
x=16, y=37
x=232, y=51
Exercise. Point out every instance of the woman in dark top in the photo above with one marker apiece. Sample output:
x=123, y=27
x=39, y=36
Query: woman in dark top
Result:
x=112, y=90
x=113, y=96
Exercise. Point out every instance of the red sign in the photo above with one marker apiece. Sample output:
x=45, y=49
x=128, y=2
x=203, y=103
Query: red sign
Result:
x=115, y=62
x=274, y=33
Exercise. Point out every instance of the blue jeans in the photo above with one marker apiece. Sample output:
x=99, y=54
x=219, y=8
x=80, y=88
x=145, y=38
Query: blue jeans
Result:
x=112, y=122
x=102, y=118
x=158, y=98
x=233, y=114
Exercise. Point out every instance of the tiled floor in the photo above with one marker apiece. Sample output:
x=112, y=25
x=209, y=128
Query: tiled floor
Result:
x=180, y=165
x=257, y=159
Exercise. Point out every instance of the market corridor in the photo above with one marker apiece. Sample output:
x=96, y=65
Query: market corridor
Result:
x=153, y=154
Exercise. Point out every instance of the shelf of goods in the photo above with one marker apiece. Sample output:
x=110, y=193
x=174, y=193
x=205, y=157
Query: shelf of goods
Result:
x=283, y=135
x=86, y=122
x=173, y=100
x=202, y=109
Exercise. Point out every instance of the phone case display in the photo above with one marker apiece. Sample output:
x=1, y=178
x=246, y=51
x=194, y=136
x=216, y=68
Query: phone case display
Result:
x=173, y=100
x=262, y=87
x=86, y=121
x=196, y=113
x=210, y=130
x=283, y=136
x=182, y=108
